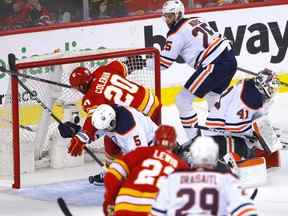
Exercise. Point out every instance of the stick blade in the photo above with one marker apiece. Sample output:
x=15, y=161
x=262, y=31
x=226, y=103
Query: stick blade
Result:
x=63, y=206
x=254, y=194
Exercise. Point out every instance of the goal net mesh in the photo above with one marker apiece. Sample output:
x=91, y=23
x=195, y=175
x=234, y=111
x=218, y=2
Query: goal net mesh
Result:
x=41, y=145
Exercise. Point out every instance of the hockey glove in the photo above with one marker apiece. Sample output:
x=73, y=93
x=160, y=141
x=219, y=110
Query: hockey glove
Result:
x=108, y=209
x=77, y=144
x=68, y=129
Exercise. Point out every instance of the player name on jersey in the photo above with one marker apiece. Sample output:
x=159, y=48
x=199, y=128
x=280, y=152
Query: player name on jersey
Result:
x=198, y=178
x=166, y=157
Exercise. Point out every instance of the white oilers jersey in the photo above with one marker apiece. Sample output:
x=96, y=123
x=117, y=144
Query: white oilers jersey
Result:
x=237, y=108
x=136, y=135
x=195, y=41
x=201, y=193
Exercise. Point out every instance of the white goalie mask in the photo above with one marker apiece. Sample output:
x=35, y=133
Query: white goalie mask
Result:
x=267, y=83
x=104, y=117
x=204, y=151
x=173, y=7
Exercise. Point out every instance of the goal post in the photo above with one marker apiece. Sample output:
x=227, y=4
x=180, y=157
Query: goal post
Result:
x=32, y=136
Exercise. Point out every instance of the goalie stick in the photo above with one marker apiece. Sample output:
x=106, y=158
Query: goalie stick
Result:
x=47, y=109
x=185, y=146
x=255, y=74
x=2, y=69
x=223, y=132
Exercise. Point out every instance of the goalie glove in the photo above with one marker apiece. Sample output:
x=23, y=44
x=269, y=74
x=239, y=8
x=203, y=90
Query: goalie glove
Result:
x=68, y=129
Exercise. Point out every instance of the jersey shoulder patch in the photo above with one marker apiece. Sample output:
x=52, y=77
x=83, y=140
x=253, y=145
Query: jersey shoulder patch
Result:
x=250, y=96
x=125, y=120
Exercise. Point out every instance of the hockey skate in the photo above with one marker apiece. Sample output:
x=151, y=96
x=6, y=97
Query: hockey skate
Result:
x=97, y=179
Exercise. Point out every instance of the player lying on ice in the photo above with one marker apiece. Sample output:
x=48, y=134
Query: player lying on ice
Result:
x=132, y=180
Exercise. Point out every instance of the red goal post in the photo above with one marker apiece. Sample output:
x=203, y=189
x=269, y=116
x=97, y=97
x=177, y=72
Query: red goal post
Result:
x=40, y=65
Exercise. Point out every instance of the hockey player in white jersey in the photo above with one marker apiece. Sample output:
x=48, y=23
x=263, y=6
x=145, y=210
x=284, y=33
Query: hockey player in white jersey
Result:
x=127, y=127
x=203, y=49
x=239, y=110
x=204, y=190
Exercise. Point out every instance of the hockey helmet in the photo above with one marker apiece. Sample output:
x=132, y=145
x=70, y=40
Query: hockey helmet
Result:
x=175, y=7
x=267, y=83
x=80, y=76
x=204, y=151
x=165, y=135
x=104, y=117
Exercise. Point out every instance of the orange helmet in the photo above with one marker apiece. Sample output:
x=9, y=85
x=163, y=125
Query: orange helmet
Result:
x=80, y=76
x=165, y=135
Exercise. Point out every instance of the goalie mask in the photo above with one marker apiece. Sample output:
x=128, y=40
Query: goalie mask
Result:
x=204, y=151
x=165, y=135
x=104, y=117
x=266, y=83
x=172, y=11
x=80, y=78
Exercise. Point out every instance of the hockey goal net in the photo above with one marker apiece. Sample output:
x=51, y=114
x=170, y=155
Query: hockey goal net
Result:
x=32, y=141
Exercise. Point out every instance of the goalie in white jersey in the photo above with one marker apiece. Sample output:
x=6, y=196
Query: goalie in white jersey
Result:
x=203, y=49
x=203, y=190
x=239, y=110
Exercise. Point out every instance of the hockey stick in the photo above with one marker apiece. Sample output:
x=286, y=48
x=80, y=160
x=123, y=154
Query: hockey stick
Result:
x=47, y=109
x=254, y=194
x=63, y=206
x=21, y=126
x=223, y=132
x=255, y=74
x=2, y=69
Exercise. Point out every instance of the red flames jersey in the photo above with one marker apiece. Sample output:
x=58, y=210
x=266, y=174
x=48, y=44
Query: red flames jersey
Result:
x=110, y=86
x=132, y=180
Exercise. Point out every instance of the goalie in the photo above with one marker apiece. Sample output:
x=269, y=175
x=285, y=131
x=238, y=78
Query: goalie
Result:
x=243, y=109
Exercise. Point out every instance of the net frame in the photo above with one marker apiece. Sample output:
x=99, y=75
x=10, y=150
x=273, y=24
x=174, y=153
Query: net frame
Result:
x=60, y=58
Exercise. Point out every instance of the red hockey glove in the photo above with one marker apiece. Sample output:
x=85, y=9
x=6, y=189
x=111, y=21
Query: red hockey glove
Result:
x=108, y=209
x=77, y=144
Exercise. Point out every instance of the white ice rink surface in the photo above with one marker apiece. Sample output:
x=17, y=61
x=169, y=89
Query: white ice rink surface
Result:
x=271, y=200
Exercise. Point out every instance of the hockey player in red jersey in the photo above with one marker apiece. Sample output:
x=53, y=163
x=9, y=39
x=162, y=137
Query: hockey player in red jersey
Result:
x=108, y=85
x=204, y=189
x=132, y=180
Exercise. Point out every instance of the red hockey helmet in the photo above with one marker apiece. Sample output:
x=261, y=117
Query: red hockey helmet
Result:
x=165, y=135
x=80, y=76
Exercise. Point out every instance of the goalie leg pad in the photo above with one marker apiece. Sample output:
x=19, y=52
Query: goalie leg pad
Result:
x=252, y=172
x=264, y=132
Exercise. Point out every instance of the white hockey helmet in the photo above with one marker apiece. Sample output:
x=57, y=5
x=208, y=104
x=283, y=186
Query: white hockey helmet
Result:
x=175, y=7
x=267, y=83
x=104, y=117
x=204, y=151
